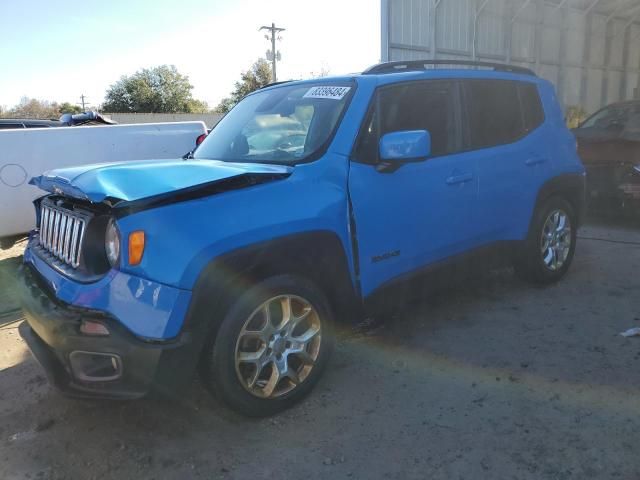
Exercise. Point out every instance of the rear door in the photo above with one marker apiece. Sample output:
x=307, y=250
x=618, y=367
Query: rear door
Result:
x=504, y=134
x=424, y=211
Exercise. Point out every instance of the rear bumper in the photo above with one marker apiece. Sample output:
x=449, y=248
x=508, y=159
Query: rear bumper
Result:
x=118, y=366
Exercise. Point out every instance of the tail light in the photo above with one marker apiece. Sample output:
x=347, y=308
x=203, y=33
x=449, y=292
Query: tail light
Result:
x=200, y=139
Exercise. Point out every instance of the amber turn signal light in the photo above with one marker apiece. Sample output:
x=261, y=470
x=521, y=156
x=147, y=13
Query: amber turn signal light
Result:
x=136, y=247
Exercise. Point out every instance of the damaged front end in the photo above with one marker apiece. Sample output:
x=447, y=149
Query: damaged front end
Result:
x=136, y=185
x=98, y=322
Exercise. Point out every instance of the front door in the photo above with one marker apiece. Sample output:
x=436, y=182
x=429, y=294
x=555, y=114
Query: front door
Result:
x=422, y=212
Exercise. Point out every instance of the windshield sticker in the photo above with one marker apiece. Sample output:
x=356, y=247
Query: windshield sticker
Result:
x=334, y=93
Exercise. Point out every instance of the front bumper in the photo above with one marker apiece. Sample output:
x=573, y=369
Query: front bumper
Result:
x=133, y=366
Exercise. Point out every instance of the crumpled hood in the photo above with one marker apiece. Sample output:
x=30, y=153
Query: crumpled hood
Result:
x=131, y=181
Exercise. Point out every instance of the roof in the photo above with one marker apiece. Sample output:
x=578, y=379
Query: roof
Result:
x=31, y=121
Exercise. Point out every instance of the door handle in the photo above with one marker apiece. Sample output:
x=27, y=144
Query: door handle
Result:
x=461, y=178
x=530, y=162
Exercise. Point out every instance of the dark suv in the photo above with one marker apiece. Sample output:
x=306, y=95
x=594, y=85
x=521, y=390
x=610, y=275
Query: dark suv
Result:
x=11, y=123
x=310, y=203
x=609, y=146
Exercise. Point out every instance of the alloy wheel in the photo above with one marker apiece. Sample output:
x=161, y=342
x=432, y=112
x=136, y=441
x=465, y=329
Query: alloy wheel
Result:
x=278, y=346
x=555, y=242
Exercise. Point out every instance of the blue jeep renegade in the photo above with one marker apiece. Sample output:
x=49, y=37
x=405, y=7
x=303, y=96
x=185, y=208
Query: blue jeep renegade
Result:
x=311, y=202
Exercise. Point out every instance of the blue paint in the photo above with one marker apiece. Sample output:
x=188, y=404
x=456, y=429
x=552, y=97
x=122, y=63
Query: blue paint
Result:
x=426, y=210
x=149, y=309
x=131, y=181
x=406, y=145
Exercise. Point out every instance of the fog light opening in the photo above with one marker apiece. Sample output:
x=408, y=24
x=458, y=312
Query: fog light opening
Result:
x=95, y=367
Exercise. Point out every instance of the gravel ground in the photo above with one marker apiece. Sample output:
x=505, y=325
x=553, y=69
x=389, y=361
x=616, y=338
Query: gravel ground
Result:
x=493, y=379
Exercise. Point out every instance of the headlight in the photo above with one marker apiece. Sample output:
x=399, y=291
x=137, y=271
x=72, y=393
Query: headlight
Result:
x=112, y=243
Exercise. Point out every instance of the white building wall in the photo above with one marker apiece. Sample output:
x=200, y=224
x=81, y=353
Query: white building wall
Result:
x=592, y=59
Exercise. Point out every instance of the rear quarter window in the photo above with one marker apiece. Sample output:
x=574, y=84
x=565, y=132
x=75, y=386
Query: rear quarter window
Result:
x=532, y=111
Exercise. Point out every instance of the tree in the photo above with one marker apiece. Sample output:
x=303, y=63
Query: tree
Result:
x=256, y=77
x=198, y=106
x=34, y=108
x=67, y=107
x=155, y=90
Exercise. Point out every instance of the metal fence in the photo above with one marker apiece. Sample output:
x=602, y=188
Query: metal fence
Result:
x=590, y=49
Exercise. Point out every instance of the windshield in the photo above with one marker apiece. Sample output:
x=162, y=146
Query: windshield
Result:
x=283, y=125
x=615, y=117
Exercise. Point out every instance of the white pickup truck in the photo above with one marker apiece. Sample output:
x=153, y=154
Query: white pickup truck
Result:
x=25, y=153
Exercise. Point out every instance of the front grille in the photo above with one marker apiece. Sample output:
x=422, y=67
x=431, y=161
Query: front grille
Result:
x=61, y=234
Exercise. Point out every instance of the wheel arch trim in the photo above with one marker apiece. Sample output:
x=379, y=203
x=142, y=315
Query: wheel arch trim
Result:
x=571, y=187
x=316, y=255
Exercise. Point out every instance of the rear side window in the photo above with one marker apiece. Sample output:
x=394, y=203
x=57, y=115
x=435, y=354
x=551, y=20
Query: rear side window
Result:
x=532, y=112
x=429, y=105
x=7, y=126
x=494, y=112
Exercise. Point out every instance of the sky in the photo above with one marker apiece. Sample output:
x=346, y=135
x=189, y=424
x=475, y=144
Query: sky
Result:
x=81, y=47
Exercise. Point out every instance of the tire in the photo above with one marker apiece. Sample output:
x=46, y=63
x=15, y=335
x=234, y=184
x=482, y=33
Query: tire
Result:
x=266, y=345
x=536, y=261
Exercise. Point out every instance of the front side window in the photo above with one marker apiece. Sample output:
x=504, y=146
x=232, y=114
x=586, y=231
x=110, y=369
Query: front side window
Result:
x=429, y=105
x=286, y=125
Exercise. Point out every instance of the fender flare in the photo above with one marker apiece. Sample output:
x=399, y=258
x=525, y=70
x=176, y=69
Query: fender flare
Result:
x=571, y=187
x=317, y=255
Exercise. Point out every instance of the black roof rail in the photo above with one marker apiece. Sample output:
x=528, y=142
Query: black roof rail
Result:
x=413, y=65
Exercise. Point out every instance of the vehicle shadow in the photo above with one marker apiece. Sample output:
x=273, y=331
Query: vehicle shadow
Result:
x=9, y=303
x=613, y=218
x=488, y=346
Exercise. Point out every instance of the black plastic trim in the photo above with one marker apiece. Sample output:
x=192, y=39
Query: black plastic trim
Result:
x=413, y=65
x=52, y=332
x=570, y=186
x=317, y=255
x=429, y=278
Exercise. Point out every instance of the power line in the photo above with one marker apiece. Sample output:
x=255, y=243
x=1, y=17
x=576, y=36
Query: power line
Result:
x=272, y=54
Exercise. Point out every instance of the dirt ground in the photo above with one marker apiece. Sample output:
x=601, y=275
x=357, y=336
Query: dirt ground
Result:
x=494, y=379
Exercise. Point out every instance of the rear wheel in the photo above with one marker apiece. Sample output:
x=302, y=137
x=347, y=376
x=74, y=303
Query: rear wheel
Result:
x=549, y=248
x=271, y=348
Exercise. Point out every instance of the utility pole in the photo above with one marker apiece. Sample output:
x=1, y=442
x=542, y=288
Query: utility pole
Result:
x=272, y=54
x=82, y=99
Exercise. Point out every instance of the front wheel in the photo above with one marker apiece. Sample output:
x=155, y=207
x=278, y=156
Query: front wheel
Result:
x=271, y=347
x=548, y=251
